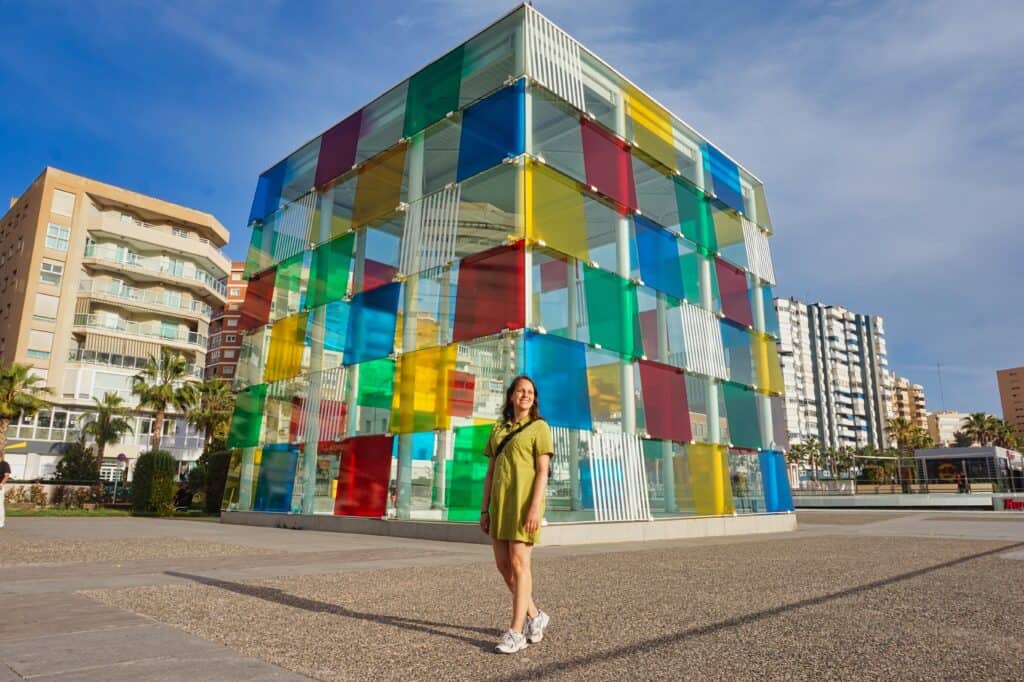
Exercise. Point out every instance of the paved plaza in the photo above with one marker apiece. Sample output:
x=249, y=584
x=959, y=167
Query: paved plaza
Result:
x=852, y=594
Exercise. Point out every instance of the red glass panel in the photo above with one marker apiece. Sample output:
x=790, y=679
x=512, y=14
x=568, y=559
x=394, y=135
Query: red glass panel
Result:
x=554, y=275
x=608, y=164
x=462, y=386
x=338, y=149
x=376, y=274
x=732, y=286
x=665, y=403
x=259, y=294
x=490, y=294
x=329, y=425
x=363, y=476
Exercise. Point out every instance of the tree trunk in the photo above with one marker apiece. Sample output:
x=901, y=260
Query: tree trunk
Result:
x=4, y=423
x=158, y=431
x=100, y=449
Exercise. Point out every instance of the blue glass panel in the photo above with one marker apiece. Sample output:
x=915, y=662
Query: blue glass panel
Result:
x=725, y=177
x=738, y=358
x=335, y=323
x=660, y=262
x=268, y=192
x=777, y=495
x=559, y=368
x=492, y=130
x=771, y=318
x=371, y=324
x=277, y=478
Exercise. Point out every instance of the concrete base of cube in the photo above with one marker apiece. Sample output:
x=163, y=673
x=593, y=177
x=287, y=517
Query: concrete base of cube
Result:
x=553, y=534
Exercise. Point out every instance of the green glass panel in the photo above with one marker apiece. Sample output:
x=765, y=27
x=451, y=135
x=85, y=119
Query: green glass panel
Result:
x=258, y=257
x=466, y=472
x=232, y=483
x=741, y=406
x=287, y=288
x=328, y=277
x=376, y=383
x=612, y=311
x=433, y=92
x=695, y=216
x=248, y=417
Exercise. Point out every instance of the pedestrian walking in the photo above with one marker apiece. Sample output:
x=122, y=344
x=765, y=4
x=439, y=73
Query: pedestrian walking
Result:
x=5, y=473
x=519, y=449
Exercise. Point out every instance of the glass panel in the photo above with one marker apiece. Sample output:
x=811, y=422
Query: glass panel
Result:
x=260, y=253
x=331, y=322
x=777, y=496
x=550, y=304
x=736, y=342
x=656, y=194
x=432, y=311
x=252, y=358
x=491, y=362
x=554, y=211
x=729, y=235
x=371, y=332
x=489, y=59
x=766, y=358
x=382, y=251
x=381, y=126
x=747, y=486
x=661, y=264
x=363, y=476
x=492, y=130
x=288, y=281
x=724, y=175
x=652, y=127
x=661, y=327
x=556, y=133
x=287, y=342
x=339, y=199
x=247, y=419
x=559, y=368
x=732, y=284
x=777, y=404
x=741, y=406
x=376, y=383
x=488, y=210
x=433, y=92
x=601, y=89
x=666, y=410
x=708, y=476
x=771, y=316
x=695, y=216
x=608, y=164
x=268, y=192
x=421, y=402
x=604, y=383
x=440, y=154
x=328, y=279
x=490, y=293
x=761, y=216
x=466, y=472
x=602, y=227
x=327, y=421
x=283, y=410
x=704, y=398
x=379, y=187
x=612, y=311
x=276, y=478
x=338, y=149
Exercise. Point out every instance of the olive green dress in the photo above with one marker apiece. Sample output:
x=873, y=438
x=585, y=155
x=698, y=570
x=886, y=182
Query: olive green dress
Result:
x=513, y=477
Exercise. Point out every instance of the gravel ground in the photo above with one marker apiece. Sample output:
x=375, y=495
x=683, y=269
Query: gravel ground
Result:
x=802, y=608
x=16, y=550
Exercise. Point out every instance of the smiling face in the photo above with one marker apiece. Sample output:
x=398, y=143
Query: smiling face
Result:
x=523, y=395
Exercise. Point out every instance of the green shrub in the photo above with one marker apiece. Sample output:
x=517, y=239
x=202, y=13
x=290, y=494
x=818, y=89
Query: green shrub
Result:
x=216, y=477
x=153, y=483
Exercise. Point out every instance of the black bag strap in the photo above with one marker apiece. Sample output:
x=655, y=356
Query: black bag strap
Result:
x=510, y=436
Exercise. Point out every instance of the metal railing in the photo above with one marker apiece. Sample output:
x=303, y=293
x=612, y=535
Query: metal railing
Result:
x=107, y=253
x=95, y=357
x=148, y=330
x=1002, y=484
x=136, y=295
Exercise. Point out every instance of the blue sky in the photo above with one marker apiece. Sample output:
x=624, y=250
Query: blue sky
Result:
x=888, y=134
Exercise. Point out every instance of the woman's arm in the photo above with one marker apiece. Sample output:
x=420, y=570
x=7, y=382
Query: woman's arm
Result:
x=485, y=521
x=540, y=486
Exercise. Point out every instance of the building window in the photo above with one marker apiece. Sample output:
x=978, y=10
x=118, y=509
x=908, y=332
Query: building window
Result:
x=57, y=237
x=50, y=272
x=63, y=203
x=46, y=307
x=229, y=371
x=232, y=322
x=229, y=354
x=231, y=338
x=179, y=232
x=235, y=291
x=168, y=330
x=40, y=343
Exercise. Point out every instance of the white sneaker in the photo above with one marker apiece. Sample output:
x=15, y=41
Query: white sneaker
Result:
x=511, y=642
x=534, y=629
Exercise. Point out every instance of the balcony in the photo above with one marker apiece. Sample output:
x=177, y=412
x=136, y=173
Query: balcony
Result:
x=92, y=357
x=154, y=269
x=150, y=236
x=143, y=329
x=145, y=299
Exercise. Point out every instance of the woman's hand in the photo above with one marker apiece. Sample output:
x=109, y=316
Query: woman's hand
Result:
x=485, y=522
x=532, y=523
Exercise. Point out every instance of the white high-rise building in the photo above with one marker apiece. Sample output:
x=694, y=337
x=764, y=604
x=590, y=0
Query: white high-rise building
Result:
x=834, y=372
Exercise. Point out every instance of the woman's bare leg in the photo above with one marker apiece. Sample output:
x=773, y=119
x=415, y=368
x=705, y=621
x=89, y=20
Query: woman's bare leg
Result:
x=520, y=554
x=503, y=562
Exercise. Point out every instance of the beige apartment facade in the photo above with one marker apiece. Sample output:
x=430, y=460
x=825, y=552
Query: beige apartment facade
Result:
x=1011, y=394
x=908, y=402
x=225, y=328
x=943, y=426
x=95, y=279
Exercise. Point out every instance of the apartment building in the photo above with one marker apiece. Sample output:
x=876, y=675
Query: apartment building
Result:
x=226, y=329
x=834, y=370
x=95, y=279
x=1011, y=394
x=908, y=402
x=942, y=426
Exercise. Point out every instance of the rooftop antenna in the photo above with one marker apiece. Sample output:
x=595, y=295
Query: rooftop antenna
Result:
x=942, y=394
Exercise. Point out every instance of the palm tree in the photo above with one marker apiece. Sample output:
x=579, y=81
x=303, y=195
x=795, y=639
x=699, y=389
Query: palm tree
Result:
x=20, y=395
x=108, y=424
x=980, y=427
x=164, y=383
x=1005, y=434
x=212, y=412
x=962, y=440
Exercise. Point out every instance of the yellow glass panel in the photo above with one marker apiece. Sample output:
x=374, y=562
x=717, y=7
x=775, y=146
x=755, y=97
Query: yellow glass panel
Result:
x=421, y=390
x=728, y=228
x=709, y=479
x=652, y=127
x=287, y=341
x=379, y=186
x=554, y=211
x=766, y=362
x=605, y=386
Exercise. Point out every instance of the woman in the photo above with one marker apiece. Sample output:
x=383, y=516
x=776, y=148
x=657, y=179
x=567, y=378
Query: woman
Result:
x=519, y=450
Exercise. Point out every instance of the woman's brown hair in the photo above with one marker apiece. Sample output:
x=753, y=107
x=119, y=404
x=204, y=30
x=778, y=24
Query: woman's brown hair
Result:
x=508, y=412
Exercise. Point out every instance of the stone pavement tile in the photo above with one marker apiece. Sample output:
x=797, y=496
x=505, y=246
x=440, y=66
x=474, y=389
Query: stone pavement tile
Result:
x=231, y=667
x=8, y=675
x=27, y=616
